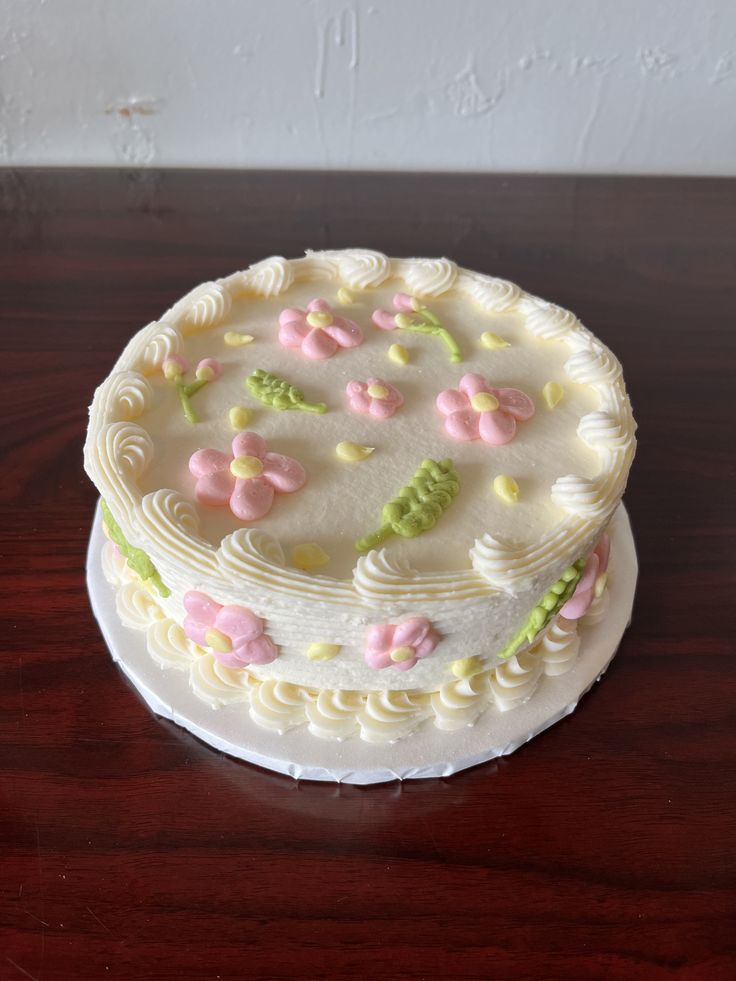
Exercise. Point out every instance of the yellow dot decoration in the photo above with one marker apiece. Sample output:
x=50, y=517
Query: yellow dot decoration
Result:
x=506, y=488
x=484, y=402
x=600, y=585
x=466, y=667
x=344, y=296
x=323, y=652
x=309, y=556
x=377, y=391
x=239, y=417
x=398, y=354
x=552, y=393
x=233, y=339
x=319, y=318
x=493, y=342
x=399, y=654
x=218, y=641
x=246, y=467
x=353, y=452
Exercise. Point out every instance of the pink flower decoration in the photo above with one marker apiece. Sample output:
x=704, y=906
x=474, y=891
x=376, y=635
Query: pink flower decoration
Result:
x=374, y=397
x=317, y=331
x=400, y=645
x=403, y=303
x=222, y=627
x=474, y=410
x=580, y=601
x=247, y=478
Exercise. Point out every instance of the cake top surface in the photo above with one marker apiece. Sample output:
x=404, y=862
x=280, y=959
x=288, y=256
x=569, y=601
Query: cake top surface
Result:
x=385, y=364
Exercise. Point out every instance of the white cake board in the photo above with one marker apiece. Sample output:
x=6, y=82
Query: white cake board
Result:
x=428, y=753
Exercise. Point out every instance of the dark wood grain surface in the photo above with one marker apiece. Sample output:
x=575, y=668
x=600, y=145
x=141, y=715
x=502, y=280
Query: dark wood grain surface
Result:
x=603, y=850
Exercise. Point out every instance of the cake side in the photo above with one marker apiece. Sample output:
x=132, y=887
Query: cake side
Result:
x=476, y=610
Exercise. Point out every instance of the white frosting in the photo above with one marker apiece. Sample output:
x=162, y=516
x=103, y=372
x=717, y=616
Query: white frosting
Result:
x=475, y=576
x=374, y=716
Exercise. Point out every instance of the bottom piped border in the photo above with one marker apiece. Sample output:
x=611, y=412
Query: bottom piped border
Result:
x=375, y=716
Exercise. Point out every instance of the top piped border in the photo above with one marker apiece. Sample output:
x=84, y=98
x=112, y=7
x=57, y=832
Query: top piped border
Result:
x=117, y=451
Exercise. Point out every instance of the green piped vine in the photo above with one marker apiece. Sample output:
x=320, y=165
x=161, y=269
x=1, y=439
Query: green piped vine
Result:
x=279, y=394
x=418, y=506
x=423, y=321
x=549, y=606
x=135, y=557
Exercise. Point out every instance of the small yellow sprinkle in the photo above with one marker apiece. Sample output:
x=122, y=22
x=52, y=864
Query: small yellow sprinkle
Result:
x=319, y=318
x=506, y=488
x=353, y=452
x=398, y=354
x=239, y=417
x=218, y=641
x=552, y=393
x=322, y=652
x=233, y=339
x=492, y=341
x=344, y=296
x=399, y=654
x=466, y=667
x=600, y=585
x=245, y=467
x=309, y=556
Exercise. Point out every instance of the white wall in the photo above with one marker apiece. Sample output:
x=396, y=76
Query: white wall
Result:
x=627, y=86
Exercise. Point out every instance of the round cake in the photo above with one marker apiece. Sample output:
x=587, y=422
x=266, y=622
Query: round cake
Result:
x=361, y=494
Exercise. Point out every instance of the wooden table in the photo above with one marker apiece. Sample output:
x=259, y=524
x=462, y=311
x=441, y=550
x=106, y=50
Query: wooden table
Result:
x=604, y=849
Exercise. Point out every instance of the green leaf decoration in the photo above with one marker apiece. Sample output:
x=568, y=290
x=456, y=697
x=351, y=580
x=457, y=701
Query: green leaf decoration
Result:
x=425, y=322
x=186, y=390
x=279, y=394
x=418, y=506
x=549, y=606
x=135, y=557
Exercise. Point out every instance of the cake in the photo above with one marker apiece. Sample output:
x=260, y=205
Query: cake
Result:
x=361, y=495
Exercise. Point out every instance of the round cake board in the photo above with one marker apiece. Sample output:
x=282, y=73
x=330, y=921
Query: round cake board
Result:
x=427, y=753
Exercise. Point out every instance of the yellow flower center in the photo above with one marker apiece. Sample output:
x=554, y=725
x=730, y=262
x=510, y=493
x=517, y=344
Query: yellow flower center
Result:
x=402, y=654
x=319, y=318
x=378, y=391
x=484, y=402
x=218, y=641
x=245, y=467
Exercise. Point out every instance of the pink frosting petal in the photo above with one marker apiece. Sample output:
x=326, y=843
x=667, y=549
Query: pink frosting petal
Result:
x=360, y=402
x=394, y=396
x=411, y=632
x=583, y=595
x=319, y=345
x=249, y=444
x=291, y=315
x=199, y=606
x=319, y=304
x=427, y=645
x=451, y=401
x=380, y=638
x=196, y=630
x=202, y=463
x=463, y=425
x=382, y=408
x=378, y=659
x=496, y=428
x=283, y=472
x=262, y=650
x=516, y=403
x=345, y=332
x=473, y=383
x=384, y=319
x=292, y=333
x=239, y=623
x=356, y=387
x=402, y=301
x=251, y=499
x=215, y=489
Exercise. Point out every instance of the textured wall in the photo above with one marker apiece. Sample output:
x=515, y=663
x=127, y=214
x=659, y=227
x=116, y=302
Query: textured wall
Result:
x=623, y=86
